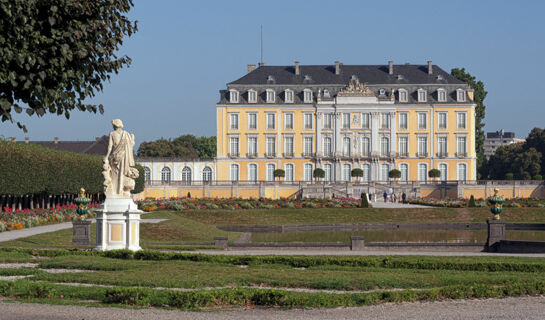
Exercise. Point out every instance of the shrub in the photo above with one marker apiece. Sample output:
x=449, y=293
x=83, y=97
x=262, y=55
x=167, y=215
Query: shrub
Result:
x=509, y=176
x=279, y=173
x=129, y=296
x=471, y=202
x=538, y=177
x=394, y=174
x=356, y=173
x=139, y=182
x=318, y=173
x=434, y=173
x=364, y=201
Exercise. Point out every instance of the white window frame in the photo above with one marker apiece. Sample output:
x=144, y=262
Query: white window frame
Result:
x=384, y=176
x=346, y=172
x=269, y=175
x=308, y=176
x=420, y=115
x=439, y=114
x=418, y=171
x=445, y=176
x=307, y=96
x=365, y=153
x=441, y=95
x=346, y=120
x=249, y=172
x=306, y=150
x=460, y=95
x=252, y=96
x=458, y=149
x=286, y=144
x=147, y=173
x=419, y=150
x=250, y=114
x=365, y=121
x=267, y=149
x=347, y=146
x=270, y=95
x=384, y=146
x=406, y=165
x=286, y=116
x=166, y=174
x=307, y=125
x=458, y=122
x=444, y=152
x=458, y=167
x=289, y=96
x=234, y=125
x=287, y=177
x=385, y=120
x=422, y=95
x=268, y=125
x=231, y=177
x=406, y=123
x=207, y=174
x=184, y=175
x=233, y=96
x=403, y=95
x=249, y=145
x=330, y=151
x=401, y=150
x=234, y=151
x=328, y=172
x=324, y=122
x=366, y=168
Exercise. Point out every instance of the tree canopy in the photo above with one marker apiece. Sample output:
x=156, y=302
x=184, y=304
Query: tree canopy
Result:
x=186, y=146
x=56, y=54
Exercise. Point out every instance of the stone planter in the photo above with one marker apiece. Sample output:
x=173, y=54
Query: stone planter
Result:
x=81, y=234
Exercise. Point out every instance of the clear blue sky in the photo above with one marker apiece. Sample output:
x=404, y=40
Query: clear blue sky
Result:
x=185, y=51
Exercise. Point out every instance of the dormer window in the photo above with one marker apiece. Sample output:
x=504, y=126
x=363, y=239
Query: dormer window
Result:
x=271, y=80
x=233, y=96
x=252, y=96
x=288, y=96
x=461, y=95
x=327, y=94
x=441, y=95
x=307, y=79
x=353, y=78
x=270, y=96
x=422, y=95
x=403, y=96
x=382, y=92
x=307, y=96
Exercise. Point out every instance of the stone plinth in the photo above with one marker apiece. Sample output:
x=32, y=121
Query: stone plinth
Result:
x=357, y=243
x=81, y=234
x=496, y=233
x=118, y=225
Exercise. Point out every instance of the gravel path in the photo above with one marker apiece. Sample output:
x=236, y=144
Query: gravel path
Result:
x=508, y=308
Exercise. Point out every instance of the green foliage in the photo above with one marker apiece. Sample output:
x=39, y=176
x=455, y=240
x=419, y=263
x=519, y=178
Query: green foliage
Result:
x=434, y=173
x=356, y=172
x=279, y=173
x=56, y=54
x=479, y=94
x=364, y=201
x=185, y=146
x=139, y=182
x=538, y=177
x=471, y=202
x=32, y=169
x=128, y=296
x=394, y=174
x=318, y=173
x=509, y=176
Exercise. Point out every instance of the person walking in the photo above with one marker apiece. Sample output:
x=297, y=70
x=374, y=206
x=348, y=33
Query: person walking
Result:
x=385, y=195
x=403, y=197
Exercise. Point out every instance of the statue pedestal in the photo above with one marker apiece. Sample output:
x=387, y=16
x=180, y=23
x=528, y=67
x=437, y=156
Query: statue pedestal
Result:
x=118, y=225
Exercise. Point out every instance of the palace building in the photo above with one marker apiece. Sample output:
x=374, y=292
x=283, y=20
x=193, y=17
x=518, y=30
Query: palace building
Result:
x=338, y=117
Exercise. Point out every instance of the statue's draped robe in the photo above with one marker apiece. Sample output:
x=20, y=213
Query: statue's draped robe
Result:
x=121, y=160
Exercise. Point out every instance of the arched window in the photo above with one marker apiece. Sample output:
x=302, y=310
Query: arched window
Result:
x=422, y=172
x=327, y=146
x=462, y=172
x=365, y=146
x=404, y=168
x=346, y=146
x=233, y=172
x=252, y=172
x=288, y=172
x=147, y=174
x=385, y=146
x=327, y=170
x=307, y=172
x=443, y=170
x=384, y=172
x=366, y=173
x=165, y=174
x=186, y=175
x=346, y=172
x=207, y=174
x=270, y=172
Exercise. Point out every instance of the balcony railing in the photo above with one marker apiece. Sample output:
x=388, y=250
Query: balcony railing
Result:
x=270, y=154
x=442, y=154
x=461, y=154
x=421, y=154
x=309, y=154
x=403, y=154
x=233, y=154
x=287, y=154
x=251, y=155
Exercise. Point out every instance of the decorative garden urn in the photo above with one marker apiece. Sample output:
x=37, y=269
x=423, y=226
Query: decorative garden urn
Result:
x=82, y=202
x=496, y=203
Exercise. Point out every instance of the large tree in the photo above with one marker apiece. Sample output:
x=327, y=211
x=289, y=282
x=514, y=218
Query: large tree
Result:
x=55, y=54
x=186, y=146
x=479, y=94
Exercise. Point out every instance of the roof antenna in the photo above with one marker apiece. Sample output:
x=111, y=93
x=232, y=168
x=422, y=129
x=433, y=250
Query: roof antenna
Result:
x=261, y=46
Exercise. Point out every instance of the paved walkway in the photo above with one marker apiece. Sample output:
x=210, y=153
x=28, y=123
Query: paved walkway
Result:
x=27, y=232
x=507, y=308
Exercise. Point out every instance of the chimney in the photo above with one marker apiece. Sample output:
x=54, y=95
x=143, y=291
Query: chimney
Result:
x=430, y=68
x=27, y=140
x=297, y=71
x=56, y=140
x=13, y=139
x=390, y=67
x=337, y=67
x=251, y=67
x=261, y=64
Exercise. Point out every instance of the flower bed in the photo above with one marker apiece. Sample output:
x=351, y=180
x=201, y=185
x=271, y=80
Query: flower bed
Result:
x=461, y=202
x=180, y=204
x=19, y=219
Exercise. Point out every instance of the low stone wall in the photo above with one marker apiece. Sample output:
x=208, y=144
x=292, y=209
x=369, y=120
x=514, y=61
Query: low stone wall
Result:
x=520, y=246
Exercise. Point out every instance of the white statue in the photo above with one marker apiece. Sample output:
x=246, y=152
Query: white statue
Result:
x=119, y=172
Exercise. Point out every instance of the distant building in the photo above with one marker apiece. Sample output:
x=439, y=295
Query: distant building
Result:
x=99, y=146
x=494, y=140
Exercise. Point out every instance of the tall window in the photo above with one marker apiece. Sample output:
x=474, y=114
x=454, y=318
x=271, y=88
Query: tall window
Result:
x=403, y=96
x=422, y=120
x=307, y=172
x=288, y=146
x=233, y=96
x=422, y=95
x=461, y=120
x=346, y=172
x=252, y=146
x=443, y=170
x=271, y=121
x=403, y=146
x=233, y=172
x=404, y=168
x=365, y=120
x=423, y=146
x=233, y=117
x=461, y=146
x=385, y=121
x=461, y=95
x=270, y=96
x=271, y=146
x=307, y=96
x=307, y=121
x=327, y=121
x=365, y=146
x=346, y=146
x=270, y=172
x=288, y=121
x=346, y=120
x=385, y=146
x=288, y=176
x=366, y=173
x=327, y=146
x=147, y=174
x=403, y=121
x=288, y=96
x=165, y=174
x=328, y=172
x=207, y=174
x=384, y=171
x=422, y=172
x=186, y=175
x=252, y=172
x=461, y=172
x=441, y=95
x=442, y=146
x=252, y=121
x=233, y=146
x=252, y=96
x=442, y=121
x=307, y=145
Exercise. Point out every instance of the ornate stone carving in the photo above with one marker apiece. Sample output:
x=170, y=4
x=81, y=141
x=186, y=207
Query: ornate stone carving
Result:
x=356, y=89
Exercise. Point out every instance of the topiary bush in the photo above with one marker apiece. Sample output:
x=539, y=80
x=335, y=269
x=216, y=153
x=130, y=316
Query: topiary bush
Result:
x=471, y=202
x=364, y=201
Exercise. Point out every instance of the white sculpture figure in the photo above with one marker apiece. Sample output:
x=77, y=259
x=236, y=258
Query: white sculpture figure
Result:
x=119, y=173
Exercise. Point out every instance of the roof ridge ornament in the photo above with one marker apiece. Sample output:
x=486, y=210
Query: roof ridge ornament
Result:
x=355, y=88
